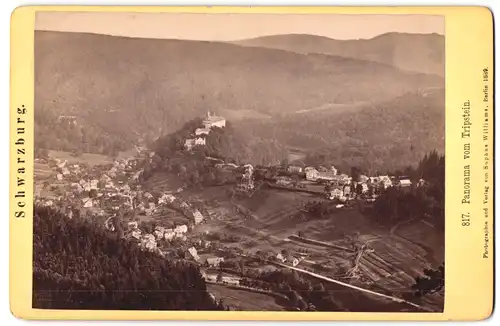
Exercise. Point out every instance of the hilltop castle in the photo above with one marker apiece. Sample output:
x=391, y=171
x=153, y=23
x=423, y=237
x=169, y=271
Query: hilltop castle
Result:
x=214, y=121
x=209, y=122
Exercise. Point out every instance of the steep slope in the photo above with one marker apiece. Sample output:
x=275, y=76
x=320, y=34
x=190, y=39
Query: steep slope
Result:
x=77, y=265
x=414, y=52
x=139, y=86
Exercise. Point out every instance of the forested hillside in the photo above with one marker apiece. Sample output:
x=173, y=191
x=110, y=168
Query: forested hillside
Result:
x=421, y=203
x=50, y=133
x=122, y=89
x=229, y=143
x=381, y=137
x=77, y=265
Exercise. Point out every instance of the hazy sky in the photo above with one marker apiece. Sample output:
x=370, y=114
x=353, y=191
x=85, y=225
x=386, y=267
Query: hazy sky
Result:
x=230, y=27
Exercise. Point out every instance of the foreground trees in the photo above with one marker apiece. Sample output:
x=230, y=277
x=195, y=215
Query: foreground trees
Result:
x=78, y=265
x=423, y=202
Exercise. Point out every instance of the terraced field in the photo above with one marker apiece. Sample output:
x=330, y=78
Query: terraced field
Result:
x=42, y=171
x=267, y=220
x=88, y=158
x=163, y=182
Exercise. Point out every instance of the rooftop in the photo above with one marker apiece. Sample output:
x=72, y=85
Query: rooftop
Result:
x=212, y=118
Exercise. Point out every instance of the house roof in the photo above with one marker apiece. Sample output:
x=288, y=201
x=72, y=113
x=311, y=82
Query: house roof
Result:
x=212, y=118
x=214, y=260
x=328, y=174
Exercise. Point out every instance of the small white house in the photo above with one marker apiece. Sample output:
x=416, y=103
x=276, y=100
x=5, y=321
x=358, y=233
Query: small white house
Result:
x=192, y=251
x=214, y=261
x=181, y=229
x=169, y=234
x=198, y=218
x=202, y=131
x=311, y=174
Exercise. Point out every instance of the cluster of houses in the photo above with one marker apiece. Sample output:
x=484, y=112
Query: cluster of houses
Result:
x=289, y=259
x=340, y=187
x=95, y=189
x=108, y=191
x=199, y=137
x=148, y=241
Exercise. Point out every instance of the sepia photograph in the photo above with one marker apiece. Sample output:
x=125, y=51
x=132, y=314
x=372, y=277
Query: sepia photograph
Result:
x=239, y=162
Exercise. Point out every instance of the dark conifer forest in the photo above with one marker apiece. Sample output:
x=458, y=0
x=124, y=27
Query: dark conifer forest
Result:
x=78, y=265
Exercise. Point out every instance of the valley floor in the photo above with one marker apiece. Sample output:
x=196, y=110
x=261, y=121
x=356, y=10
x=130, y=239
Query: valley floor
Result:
x=270, y=221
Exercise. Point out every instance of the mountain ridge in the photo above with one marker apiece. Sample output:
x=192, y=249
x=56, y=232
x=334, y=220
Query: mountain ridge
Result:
x=415, y=52
x=126, y=88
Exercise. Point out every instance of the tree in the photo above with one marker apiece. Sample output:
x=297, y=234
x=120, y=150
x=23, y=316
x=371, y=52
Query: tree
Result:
x=241, y=266
x=359, y=189
x=431, y=282
x=328, y=188
x=93, y=193
x=83, y=266
x=355, y=173
x=219, y=277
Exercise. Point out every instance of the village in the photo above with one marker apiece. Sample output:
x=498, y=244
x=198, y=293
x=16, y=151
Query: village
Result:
x=180, y=224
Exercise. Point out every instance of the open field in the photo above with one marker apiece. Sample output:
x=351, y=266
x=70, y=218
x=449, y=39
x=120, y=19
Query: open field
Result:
x=42, y=171
x=334, y=107
x=88, y=158
x=163, y=182
x=296, y=154
x=235, y=115
x=244, y=300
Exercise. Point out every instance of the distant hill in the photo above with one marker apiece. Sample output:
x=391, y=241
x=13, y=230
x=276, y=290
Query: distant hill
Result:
x=414, y=52
x=129, y=87
x=229, y=144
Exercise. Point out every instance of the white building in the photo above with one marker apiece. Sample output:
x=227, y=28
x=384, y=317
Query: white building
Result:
x=190, y=143
x=202, y=131
x=335, y=194
x=214, y=121
x=166, y=199
x=136, y=234
x=181, y=229
x=194, y=253
x=364, y=188
x=214, y=261
x=93, y=184
x=385, y=181
x=198, y=218
x=169, y=234
x=404, y=183
x=311, y=174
